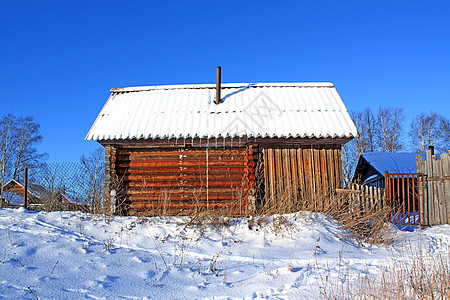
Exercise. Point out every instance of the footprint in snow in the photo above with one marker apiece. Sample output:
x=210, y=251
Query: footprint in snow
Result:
x=295, y=269
x=203, y=285
x=151, y=274
x=106, y=281
x=110, y=278
x=31, y=251
x=300, y=279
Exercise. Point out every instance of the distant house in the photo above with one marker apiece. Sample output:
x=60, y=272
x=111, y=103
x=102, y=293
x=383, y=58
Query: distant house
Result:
x=13, y=193
x=39, y=198
x=178, y=149
x=371, y=166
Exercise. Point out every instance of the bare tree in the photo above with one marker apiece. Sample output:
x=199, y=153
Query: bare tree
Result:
x=371, y=126
x=375, y=133
x=6, y=148
x=18, y=136
x=26, y=136
x=366, y=141
x=368, y=128
x=350, y=158
x=430, y=129
x=360, y=140
x=390, y=122
x=93, y=173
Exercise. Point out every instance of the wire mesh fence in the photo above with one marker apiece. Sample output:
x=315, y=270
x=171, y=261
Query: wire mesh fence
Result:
x=59, y=186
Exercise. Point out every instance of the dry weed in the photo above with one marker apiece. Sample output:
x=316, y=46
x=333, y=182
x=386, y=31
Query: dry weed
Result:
x=423, y=276
x=361, y=222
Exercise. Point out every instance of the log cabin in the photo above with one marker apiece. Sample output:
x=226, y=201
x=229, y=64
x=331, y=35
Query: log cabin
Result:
x=234, y=147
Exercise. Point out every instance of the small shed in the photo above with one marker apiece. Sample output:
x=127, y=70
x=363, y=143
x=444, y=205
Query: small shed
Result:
x=13, y=192
x=372, y=166
x=39, y=198
x=178, y=149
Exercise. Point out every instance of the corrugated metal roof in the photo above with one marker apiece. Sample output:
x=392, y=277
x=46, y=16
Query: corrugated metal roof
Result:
x=247, y=110
x=393, y=162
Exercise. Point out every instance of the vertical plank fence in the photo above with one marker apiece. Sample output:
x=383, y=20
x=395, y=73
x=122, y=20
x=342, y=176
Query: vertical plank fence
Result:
x=421, y=198
x=403, y=192
x=435, y=198
x=296, y=174
x=363, y=198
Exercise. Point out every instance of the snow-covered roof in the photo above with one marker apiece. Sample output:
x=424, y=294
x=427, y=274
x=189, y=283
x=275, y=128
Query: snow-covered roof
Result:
x=279, y=110
x=14, y=186
x=392, y=162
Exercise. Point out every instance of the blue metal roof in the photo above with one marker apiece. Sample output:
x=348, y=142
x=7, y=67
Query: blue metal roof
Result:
x=393, y=162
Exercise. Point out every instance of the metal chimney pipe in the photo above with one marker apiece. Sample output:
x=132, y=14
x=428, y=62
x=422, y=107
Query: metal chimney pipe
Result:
x=218, y=83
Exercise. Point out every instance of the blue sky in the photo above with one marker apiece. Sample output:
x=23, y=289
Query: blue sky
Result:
x=58, y=59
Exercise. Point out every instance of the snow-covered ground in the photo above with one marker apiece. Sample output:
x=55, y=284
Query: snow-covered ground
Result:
x=71, y=255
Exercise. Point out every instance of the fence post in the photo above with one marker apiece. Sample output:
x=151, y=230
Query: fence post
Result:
x=422, y=191
x=434, y=192
x=445, y=159
x=387, y=188
x=440, y=192
x=25, y=192
x=430, y=189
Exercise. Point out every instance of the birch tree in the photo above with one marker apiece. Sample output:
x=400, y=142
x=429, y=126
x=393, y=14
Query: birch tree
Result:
x=367, y=125
x=360, y=140
x=26, y=136
x=6, y=148
x=390, y=122
x=368, y=128
x=18, y=137
x=380, y=132
x=93, y=173
x=349, y=160
x=430, y=129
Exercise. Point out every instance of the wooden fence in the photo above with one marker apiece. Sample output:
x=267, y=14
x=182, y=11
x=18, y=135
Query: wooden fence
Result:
x=434, y=192
x=421, y=198
x=402, y=192
x=364, y=198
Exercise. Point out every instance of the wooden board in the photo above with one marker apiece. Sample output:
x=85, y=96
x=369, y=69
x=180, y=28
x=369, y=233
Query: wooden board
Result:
x=293, y=174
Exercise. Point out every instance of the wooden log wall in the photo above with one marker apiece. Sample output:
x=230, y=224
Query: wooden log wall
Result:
x=159, y=178
x=184, y=181
x=298, y=174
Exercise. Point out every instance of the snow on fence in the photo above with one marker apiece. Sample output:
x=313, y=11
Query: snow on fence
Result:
x=434, y=192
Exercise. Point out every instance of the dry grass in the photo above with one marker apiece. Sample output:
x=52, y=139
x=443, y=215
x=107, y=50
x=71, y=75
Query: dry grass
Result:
x=362, y=222
x=365, y=223
x=425, y=276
